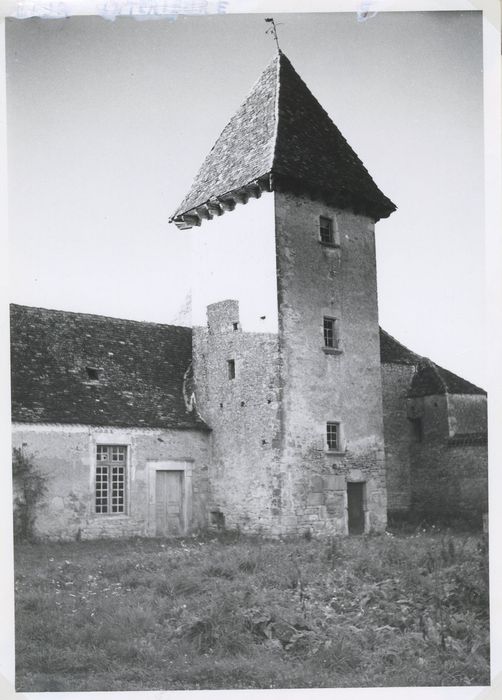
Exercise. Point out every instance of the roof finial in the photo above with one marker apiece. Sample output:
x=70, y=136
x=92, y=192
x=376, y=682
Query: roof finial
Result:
x=273, y=30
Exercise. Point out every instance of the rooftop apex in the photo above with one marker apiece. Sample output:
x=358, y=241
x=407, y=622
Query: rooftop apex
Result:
x=281, y=138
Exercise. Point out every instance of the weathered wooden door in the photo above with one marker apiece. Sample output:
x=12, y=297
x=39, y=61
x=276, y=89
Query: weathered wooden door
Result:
x=169, y=504
x=355, y=507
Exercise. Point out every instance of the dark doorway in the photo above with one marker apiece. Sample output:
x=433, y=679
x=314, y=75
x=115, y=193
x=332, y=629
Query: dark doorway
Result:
x=355, y=507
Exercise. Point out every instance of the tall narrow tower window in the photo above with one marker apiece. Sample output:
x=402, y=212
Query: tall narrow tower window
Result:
x=231, y=369
x=326, y=230
x=331, y=339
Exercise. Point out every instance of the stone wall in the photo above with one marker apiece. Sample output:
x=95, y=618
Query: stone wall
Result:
x=244, y=414
x=66, y=456
x=316, y=280
x=396, y=381
x=449, y=470
x=467, y=414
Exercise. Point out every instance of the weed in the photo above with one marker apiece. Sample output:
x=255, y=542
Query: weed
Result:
x=226, y=611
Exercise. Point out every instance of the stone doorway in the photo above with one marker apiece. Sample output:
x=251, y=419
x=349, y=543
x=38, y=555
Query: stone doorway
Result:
x=355, y=507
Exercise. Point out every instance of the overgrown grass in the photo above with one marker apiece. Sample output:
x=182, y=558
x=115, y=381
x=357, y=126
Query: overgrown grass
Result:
x=235, y=612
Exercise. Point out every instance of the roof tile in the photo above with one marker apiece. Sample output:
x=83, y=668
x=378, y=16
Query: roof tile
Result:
x=281, y=129
x=141, y=368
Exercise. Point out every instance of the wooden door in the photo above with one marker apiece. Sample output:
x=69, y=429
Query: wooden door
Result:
x=169, y=520
x=355, y=507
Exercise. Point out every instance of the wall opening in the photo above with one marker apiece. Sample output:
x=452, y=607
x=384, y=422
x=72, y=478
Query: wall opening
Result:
x=217, y=519
x=355, y=507
x=231, y=369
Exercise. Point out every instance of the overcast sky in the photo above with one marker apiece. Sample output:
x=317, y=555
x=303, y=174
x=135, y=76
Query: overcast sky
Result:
x=108, y=123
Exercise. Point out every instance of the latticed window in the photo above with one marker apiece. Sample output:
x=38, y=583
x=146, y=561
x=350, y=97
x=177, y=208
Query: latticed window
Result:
x=326, y=230
x=330, y=332
x=333, y=436
x=111, y=463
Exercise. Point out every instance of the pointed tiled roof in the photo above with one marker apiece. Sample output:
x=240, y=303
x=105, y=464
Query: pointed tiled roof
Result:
x=138, y=367
x=281, y=138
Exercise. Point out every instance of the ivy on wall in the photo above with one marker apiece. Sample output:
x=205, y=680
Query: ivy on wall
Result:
x=29, y=489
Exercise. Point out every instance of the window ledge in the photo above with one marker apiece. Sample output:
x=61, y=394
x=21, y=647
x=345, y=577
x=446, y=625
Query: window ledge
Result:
x=334, y=452
x=331, y=351
x=111, y=516
x=329, y=245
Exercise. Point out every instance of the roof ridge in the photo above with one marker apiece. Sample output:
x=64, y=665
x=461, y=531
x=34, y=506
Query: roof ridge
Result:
x=276, y=108
x=13, y=305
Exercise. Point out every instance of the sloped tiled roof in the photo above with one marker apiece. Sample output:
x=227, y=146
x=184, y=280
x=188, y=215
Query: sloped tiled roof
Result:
x=282, y=130
x=393, y=352
x=140, y=368
x=430, y=379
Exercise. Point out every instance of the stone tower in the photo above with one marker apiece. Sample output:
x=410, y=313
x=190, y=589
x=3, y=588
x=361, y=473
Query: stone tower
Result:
x=285, y=321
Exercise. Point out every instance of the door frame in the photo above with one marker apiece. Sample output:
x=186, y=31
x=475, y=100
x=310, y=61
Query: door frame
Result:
x=364, y=503
x=185, y=466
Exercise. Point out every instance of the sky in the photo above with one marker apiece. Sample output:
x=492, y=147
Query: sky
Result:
x=109, y=121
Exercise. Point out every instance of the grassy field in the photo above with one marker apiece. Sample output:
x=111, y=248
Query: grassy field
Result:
x=234, y=612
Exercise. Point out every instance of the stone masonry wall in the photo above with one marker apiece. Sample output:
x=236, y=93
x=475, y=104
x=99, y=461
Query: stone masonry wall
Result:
x=244, y=414
x=316, y=280
x=449, y=477
x=396, y=381
x=467, y=414
x=65, y=455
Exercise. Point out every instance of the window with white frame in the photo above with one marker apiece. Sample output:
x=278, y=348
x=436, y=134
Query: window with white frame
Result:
x=333, y=437
x=110, y=483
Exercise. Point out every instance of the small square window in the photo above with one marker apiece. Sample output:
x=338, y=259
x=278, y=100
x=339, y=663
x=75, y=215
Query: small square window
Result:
x=326, y=230
x=92, y=373
x=331, y=339
x=231, y=369
x=333, y=436
x=235, y=325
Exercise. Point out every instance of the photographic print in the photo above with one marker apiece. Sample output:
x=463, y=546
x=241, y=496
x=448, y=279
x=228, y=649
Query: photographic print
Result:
x=249, y=406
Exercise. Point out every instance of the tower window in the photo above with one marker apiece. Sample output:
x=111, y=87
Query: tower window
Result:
x=235, y=325
x=92, y=373
x=331, y=339
x=231, y=369
x=333, y=436
x=326, y=230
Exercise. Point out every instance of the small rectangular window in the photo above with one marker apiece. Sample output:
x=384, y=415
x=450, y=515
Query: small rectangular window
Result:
x=333, y=436
x=326, y=230
x=231, y=369
x=92, y=373
x=110, y=485
x=330, y=332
